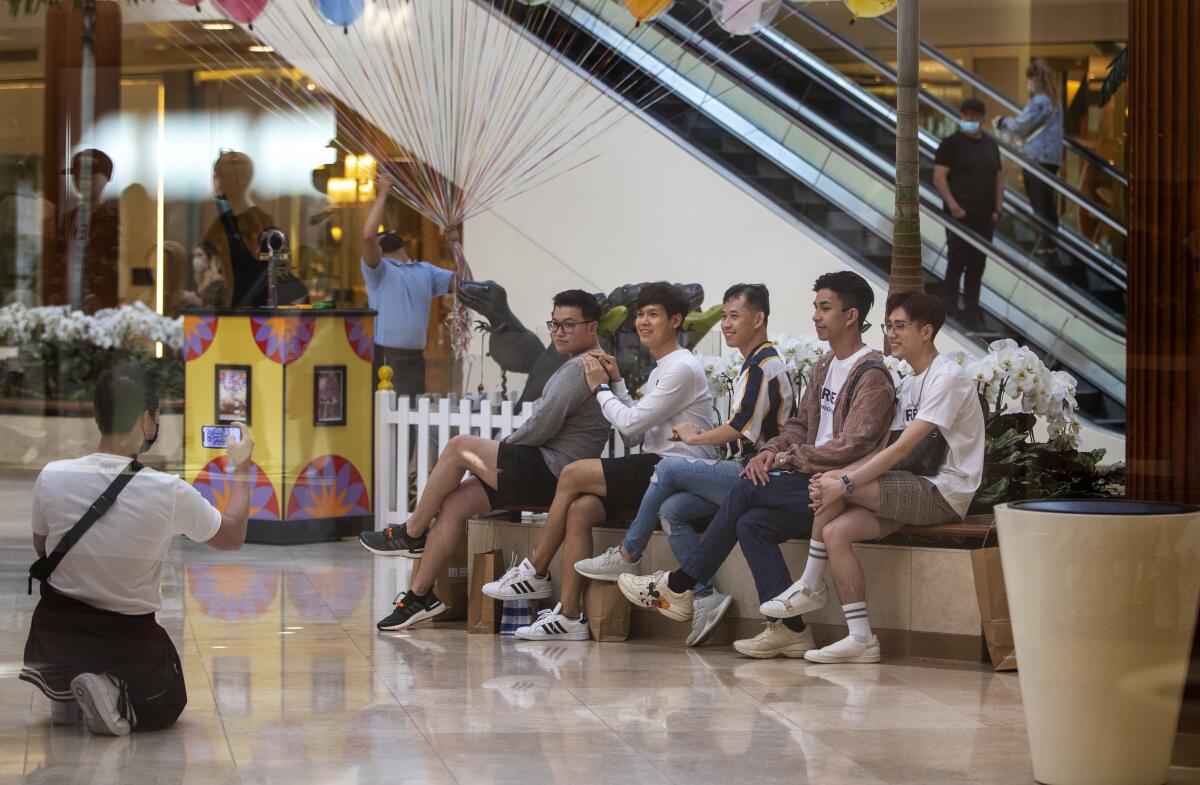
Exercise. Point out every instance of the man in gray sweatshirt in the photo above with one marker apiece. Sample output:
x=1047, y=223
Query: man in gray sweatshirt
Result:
x=520, y=470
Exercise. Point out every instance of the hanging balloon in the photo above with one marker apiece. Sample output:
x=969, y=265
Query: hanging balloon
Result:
x=743, y=17
x=647, y=10
x=867, y=8
x=243, y=11
x=341, y=13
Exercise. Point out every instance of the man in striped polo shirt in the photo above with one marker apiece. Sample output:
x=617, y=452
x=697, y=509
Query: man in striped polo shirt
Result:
x=686, y=489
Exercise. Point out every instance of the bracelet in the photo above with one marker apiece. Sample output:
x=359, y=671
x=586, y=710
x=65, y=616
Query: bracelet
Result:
x=848, y=484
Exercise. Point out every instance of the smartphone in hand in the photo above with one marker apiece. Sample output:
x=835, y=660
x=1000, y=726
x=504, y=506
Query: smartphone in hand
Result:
x=219, y=437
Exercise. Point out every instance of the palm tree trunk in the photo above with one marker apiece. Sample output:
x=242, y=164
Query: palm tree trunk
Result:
x=906, y=228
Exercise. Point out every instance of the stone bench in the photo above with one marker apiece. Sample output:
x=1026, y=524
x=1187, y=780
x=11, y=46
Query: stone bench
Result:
x=920, y=586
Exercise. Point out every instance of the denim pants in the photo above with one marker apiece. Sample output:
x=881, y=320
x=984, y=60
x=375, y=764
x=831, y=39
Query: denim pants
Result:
x=759, y=518
x=682, y=490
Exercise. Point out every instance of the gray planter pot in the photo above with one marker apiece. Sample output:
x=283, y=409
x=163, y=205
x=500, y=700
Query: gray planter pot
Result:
x=1103, y=596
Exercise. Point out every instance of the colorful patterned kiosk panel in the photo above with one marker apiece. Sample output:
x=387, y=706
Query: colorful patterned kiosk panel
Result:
x=301, y=379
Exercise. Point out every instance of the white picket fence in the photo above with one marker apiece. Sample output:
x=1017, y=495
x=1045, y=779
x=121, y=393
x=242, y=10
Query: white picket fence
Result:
x=402, y=430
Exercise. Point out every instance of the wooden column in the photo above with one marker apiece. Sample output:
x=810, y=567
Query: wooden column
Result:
x=61, y=112
x=1163, y=432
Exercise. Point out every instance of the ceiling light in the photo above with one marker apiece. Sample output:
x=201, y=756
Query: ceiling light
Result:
x=217, y=26
x=262, y=49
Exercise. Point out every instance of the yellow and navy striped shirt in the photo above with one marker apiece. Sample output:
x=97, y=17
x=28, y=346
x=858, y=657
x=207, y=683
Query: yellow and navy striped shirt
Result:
x=763, y=398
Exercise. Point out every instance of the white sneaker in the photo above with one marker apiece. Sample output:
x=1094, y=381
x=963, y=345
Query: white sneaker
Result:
x=64, y=712
x=796, y=600
x=707, y=612
x=98, y=696
x=552, y=625
x=519, y=583
x=777, y=640
x=651, y=591
x=608, y=566
x=848, y=649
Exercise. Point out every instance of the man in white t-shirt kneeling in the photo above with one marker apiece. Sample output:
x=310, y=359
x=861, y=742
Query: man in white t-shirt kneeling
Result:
x=94, y=645
x=937, y=414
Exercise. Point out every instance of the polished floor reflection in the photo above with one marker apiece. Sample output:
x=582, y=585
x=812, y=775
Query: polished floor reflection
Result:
x=289, y=683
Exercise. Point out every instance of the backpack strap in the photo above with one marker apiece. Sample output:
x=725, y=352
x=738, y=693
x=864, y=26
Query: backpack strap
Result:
x=45, y=566
x=859, y=370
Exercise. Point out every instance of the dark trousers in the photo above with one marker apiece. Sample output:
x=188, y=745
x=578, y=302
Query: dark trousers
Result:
x=408, y=369
x=68, y=637
x=964, y=265
x=1042, y=198
x=759, y=518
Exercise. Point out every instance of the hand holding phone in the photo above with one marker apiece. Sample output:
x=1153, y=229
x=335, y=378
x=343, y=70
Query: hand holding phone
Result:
x=218, y=437
x=241, y=450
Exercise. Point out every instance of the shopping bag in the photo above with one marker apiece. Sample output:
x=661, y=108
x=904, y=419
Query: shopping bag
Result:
x=515, y=614
x=450, y=586
x=993, y=608
x=607, y=611
x=483, y=613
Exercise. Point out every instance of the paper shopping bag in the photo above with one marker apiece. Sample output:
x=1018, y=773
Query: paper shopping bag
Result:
x=450, y=586
x=483, y=613
x=607, y=611
x=993, y=608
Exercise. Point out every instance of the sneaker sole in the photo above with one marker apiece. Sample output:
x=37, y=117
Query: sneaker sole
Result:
x=612, y=577
x=778, y=611
x=714, y=618
x=417, y=617
x=670, y=612
x=862, y=659
x=540, y=594
x=582, y=635
x=791, y=652
x=83, y=687
x=403, y=552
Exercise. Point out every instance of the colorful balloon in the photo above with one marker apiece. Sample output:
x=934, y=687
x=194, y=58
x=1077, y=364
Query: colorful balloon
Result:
x=341, y=13
x=647, y=10
x=243, y=11
x=743, y=17
x=868, y=8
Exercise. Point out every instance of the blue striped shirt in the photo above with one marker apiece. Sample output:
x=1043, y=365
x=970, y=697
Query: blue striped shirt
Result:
x=763, y=397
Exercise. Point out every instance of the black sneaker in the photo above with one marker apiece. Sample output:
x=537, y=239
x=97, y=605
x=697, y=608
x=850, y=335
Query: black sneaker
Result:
x=411, y=609
x=393, y=541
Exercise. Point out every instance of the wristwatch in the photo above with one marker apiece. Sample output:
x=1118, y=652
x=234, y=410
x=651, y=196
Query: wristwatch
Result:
x=848, y=483
x=601, y=387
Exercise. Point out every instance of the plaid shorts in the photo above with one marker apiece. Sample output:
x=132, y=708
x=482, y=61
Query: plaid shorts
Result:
x=908, y=500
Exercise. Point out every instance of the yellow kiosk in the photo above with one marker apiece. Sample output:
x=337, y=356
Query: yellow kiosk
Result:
x=301, y=379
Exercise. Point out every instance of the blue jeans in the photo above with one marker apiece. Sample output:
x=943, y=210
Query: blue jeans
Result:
x=682, y=490
x=759, y=518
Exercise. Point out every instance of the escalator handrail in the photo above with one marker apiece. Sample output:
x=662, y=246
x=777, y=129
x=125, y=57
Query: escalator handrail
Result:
x=1077, y=146
x=1098, y=263
x=1065, y=189
x=1102, y=264
x=879, y=170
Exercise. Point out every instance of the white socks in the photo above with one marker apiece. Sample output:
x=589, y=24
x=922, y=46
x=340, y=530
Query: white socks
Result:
x=814, y=568
x=856, y=620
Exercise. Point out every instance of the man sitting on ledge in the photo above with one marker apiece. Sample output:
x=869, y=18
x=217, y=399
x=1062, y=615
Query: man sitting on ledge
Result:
x=520, y=470
x=939, y=423
x=844, y=415
x=591, y=491
x=94, y=645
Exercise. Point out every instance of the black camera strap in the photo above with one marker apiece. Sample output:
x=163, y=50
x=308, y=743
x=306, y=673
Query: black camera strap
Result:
x=45, y=566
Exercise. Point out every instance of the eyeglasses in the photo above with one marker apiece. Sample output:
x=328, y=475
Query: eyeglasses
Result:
x=566, y=328
x=898, y=326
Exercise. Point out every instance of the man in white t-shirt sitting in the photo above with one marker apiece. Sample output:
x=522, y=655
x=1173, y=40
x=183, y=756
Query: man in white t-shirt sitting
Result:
x=874, y=499
x=94, y=645
x=843, y=416
x=591, y=491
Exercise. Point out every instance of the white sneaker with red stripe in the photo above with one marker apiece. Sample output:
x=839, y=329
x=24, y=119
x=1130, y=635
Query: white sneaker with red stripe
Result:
x=519, y=583
x=552, y=625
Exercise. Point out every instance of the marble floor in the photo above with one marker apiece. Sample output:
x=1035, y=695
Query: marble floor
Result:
x=289, y=683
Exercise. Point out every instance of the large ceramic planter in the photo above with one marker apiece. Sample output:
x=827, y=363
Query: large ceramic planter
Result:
x=1103, y=596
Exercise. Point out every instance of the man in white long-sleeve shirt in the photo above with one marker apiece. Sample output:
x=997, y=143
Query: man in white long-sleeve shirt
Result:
x=594, y=490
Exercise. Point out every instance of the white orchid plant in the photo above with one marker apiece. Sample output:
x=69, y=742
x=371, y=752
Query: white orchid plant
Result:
x=61, y=350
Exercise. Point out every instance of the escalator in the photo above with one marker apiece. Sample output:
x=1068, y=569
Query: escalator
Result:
x=786, y=138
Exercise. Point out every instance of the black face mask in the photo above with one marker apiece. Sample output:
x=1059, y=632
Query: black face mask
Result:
x=148, y=441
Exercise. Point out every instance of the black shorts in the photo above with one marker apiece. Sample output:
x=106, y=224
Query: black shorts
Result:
x=626, y=480
x=523, y=477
